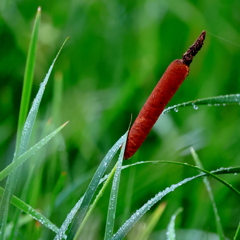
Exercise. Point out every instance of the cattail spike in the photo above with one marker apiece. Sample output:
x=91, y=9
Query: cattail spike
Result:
x=167, y=86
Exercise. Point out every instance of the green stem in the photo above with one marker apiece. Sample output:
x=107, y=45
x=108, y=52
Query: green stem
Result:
x=95, y=201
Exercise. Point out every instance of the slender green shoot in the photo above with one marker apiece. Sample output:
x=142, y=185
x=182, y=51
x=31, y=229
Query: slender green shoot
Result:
x=237, y=232
x=129, y=193
x=171, y=235
x=21, y=144
x=28, y=75
x=98, y=197
x=209, y=190
x=21, y=147
x=80, y=209
x=114, y=196
x=151, y=222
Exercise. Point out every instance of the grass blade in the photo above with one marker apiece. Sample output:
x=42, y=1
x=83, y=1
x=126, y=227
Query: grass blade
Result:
x=113, y=196
x=31, y=212
x=171, y=226
x=81, y=207
x=209, y=190
x=11, y=167
x=27, y=86
x=28, y=75
x=222, y=170
x=124, y=229
x=109, y=178
x=237, y=232
x=57, y=97
x=211, y=101
x=152, y=222
x=129, y=193
x=21, y=147
x=212, y=173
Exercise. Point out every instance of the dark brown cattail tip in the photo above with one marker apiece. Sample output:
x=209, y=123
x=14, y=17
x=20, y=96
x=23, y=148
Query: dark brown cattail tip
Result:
x=193, y=50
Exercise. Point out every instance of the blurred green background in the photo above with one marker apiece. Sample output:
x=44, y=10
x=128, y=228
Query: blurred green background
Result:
x=116, y=53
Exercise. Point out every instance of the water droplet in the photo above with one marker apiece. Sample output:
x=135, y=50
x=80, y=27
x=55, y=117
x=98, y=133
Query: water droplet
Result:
x=175, y=109
x=195, y=107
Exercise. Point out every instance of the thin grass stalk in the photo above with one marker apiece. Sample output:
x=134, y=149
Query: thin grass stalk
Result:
x=237, y=232
x=20, y=149
x=27, y=86
x=129, y=193
x=98, y=197
x=212, y=173
x=210, y=193
x=125, y=228
x=171, y=235
x=114, y=196
x=28, y=76
x=80, y=209
x=151, y=222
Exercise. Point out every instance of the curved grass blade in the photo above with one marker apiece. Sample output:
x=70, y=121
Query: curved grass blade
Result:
x=171, y=235
x=124, y=229
x=80, y=209
x=20, y=149
x=228, y=170
x=209, y=190
x=32, y=212
x=211, y=101
x=114, y=195
x=11, y=167
x=222, y=170
x=212, y=173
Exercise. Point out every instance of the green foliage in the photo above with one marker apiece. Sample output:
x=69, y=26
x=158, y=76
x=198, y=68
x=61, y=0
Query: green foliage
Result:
x=116, y=53
x=171, y=235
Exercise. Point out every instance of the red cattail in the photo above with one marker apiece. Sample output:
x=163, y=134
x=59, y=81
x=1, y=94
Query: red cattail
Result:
x=167, y=86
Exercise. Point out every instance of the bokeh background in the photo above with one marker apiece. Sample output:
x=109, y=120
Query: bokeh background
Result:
x=116, y=53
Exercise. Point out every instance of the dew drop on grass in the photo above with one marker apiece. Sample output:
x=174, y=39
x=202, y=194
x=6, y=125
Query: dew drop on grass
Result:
x=195, y=107
x=175, y=109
